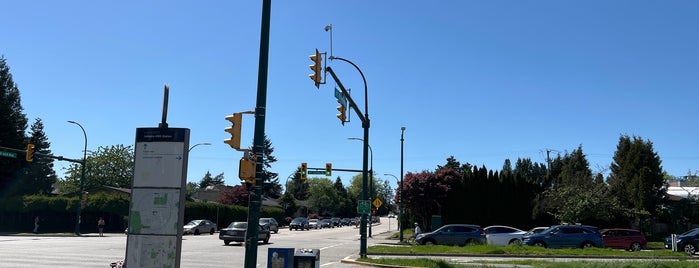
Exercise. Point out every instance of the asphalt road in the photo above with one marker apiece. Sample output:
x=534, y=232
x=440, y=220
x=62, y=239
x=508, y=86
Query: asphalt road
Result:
x=90, y=250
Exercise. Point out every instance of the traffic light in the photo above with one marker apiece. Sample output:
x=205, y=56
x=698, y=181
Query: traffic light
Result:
x=30, y=152
x=343, y=113
x=247, y=170
x=328, y=169
x=234, y=130
x=304, y=171
x=317, y=68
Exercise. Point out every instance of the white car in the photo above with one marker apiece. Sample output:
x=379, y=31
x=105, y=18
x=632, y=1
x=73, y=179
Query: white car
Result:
x=498, y=235
x=314, y=224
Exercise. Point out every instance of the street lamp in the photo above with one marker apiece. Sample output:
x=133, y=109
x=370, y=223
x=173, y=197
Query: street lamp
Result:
x=371, y=177
x=400, y=216
x=203, y=143
x=402, y=130
x=82, y=180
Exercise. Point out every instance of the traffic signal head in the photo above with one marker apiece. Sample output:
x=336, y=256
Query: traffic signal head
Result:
x=236, y=120
x=317, y=68
x=30, y=153
x=343, y=113
x=304, y=171
x=246, y=171
x=328, y=169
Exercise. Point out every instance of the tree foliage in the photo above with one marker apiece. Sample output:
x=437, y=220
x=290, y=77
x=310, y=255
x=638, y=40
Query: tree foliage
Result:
x=207, y=180
x=108, y=166
x=271, y=186
x=40, y=175
x=324, y=200
x=637, y=177
x=13, y=123
x=427, y=193
x=236, y=195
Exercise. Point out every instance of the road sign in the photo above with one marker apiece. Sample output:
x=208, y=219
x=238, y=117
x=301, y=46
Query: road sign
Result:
x=316, y=172
x=8, y=154
x=340, y=98
x=363, y=207
x=377, y=202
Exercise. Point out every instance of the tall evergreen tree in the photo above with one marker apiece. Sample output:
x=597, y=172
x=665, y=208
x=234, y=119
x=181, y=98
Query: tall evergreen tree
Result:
x=207, y=180
x=13, y=124
x=637, y=176
x=271, y=186
x=40, y=175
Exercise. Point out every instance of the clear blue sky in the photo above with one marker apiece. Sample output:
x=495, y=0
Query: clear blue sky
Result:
x=483, y=81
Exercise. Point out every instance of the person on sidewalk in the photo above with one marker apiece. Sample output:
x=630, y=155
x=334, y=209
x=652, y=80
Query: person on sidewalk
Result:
x=36, y=224
x=100, y=225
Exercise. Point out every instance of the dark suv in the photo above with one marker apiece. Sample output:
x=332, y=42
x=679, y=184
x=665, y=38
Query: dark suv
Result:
x=453, y=234
x=299, y=223
x=566, y=236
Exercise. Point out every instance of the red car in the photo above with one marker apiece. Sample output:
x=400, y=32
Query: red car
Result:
x=628, y=239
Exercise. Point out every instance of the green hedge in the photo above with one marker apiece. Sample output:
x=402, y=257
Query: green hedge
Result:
x=58, y=212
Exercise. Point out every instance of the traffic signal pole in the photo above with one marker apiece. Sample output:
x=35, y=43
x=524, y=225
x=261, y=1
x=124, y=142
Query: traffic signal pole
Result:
x=365, y=158
x=258, y=141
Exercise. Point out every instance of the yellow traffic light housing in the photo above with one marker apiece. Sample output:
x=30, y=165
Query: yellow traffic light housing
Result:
x=328, y=169
x=30, y=153
x=343, y=113
x=304, y=171
x=235, y=128
x=246, y=171
x=317, y=68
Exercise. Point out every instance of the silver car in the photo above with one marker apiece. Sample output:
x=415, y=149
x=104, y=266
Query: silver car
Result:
x=197, y=227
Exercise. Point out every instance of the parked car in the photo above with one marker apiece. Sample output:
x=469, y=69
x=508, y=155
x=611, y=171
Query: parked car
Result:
x=336, y=222
x=498, y=235
x=536, y=230
x=628, y=239
x=271, y=224
x=453, y=234
x=566, y=236
x=687, y=242
x=326, y=223
x=197, y=227
x=314, y=223
x=235, y=232
x=299, y=223
x=345, y=221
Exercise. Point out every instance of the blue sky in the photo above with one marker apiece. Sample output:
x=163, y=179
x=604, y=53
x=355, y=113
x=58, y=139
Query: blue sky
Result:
x=483, y=81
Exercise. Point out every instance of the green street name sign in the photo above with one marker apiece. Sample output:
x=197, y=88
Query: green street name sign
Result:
x=316, y=172
x=8, y=154
x=363, y=206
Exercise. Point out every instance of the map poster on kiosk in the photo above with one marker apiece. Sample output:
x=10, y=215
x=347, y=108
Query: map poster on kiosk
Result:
x=156, y=211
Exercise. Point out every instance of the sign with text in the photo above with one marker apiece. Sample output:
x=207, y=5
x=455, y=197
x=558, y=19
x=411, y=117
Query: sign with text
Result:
x=156, y=211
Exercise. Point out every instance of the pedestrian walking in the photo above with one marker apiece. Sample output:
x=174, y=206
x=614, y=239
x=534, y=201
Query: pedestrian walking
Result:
x=100, y=226
x=36, y=224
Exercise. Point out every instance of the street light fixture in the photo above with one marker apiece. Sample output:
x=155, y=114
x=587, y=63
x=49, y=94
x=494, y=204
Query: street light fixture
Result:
x=402, y=130
x=371, y=178
x=82, y=180
x=400, y=216
x=203, y=143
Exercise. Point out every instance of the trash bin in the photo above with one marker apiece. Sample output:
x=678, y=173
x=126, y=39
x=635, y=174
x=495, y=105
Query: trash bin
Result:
x=307, y=258
x=280, y=257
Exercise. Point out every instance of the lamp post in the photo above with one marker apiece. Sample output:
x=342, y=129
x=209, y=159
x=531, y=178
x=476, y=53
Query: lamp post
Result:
x=400, y=222
x=82, y=180
x=366, y=123
x=400, y=216
x=371, y=177
x=203, y=143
